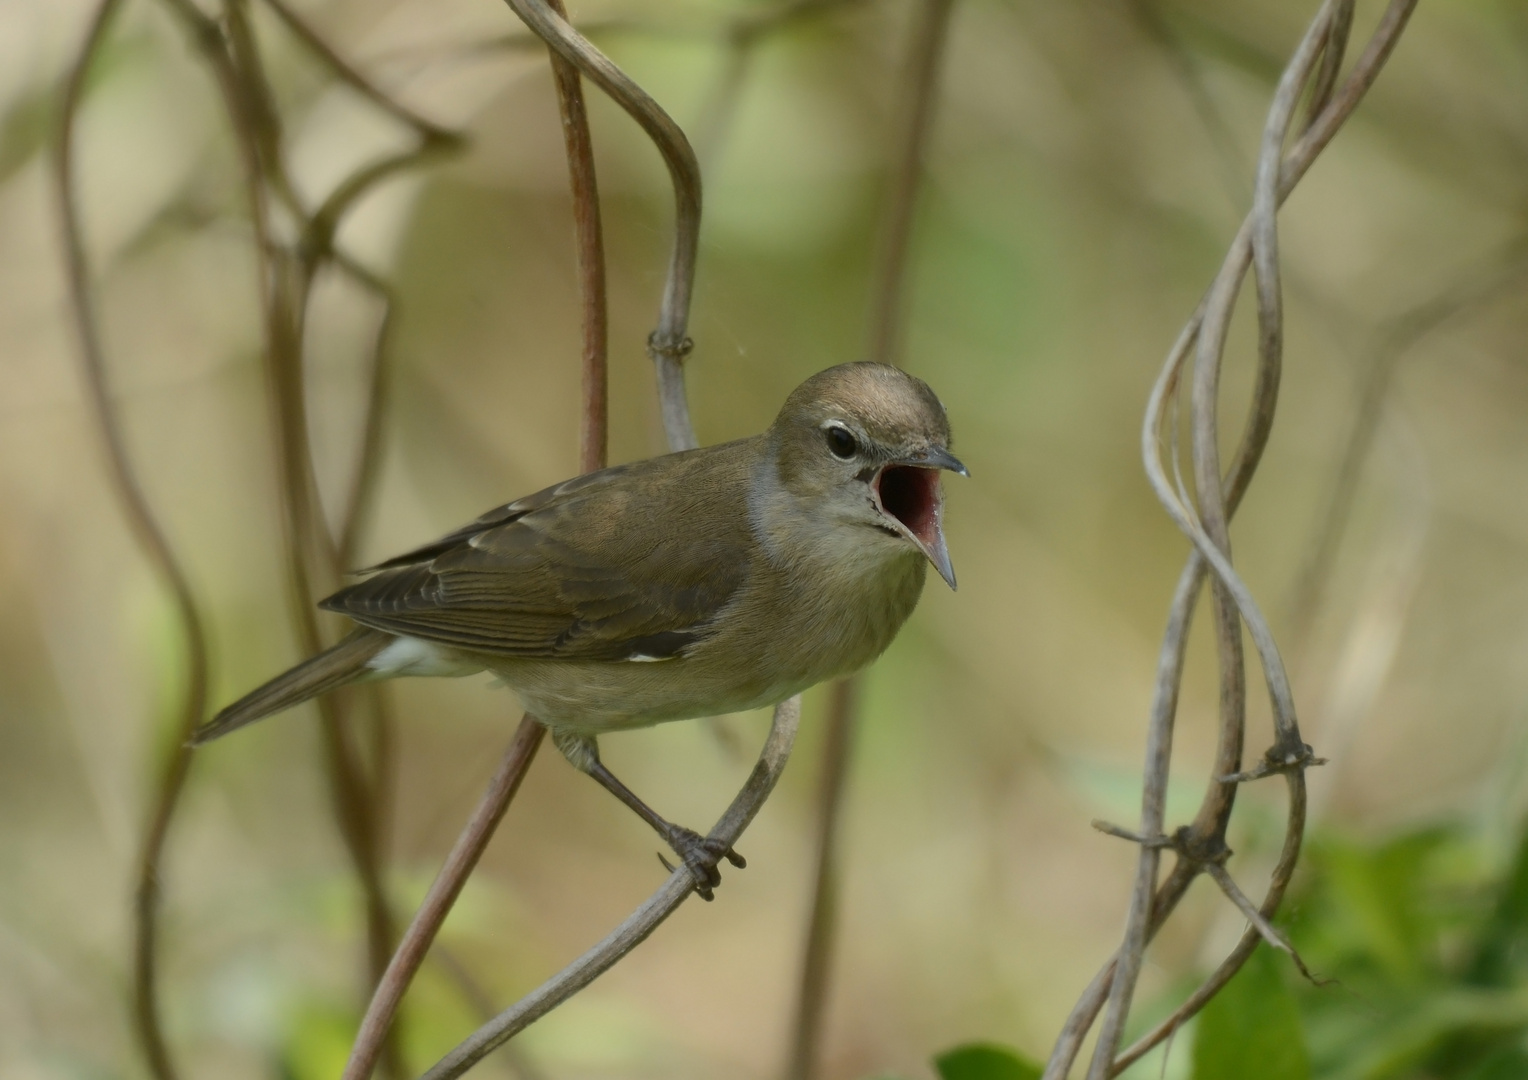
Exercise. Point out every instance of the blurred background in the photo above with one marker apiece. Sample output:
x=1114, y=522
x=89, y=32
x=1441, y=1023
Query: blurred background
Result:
x=1088, y=164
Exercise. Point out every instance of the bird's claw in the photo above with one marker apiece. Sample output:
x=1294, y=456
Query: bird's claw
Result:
x=701, y=854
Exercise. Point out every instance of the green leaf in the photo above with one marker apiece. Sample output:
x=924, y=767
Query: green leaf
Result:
x=1508, y=1064
x=1251, y=1029
x=1380, y=893
x=1504, y=940
x=985, y=1061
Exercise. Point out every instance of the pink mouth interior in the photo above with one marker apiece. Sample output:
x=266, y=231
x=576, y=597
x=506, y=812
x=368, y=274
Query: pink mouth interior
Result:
x=911, y=495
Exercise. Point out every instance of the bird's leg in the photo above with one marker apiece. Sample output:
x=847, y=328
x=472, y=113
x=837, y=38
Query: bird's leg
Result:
x=700, y=854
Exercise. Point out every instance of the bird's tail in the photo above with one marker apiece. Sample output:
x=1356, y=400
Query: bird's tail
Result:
x=330, y=669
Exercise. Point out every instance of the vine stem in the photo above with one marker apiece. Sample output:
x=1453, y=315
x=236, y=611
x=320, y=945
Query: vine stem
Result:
x=593, y=441
x=175, y=761
x=679, y=887
x=1201, y=843
x=912, y=123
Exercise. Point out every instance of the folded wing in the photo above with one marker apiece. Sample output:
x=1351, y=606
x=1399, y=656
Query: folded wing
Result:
x=628, y=563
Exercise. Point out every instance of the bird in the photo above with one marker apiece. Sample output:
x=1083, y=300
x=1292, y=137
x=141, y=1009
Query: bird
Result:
x=692, y=584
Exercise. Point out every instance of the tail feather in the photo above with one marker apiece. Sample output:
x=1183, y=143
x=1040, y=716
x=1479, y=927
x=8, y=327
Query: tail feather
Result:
x=330, y=669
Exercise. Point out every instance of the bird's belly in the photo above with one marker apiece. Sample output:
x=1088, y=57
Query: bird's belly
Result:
x=592, y=698
x=746, y=666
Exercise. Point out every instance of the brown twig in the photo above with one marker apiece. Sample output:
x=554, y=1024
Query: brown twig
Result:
x=669, y=344
x=285, y=280
x=679, y=886
x=812, y=992
x=1256, y=242
x=1279, y=879
x=175, y=762
x=469, y=847
x=1499, y=271
x=362, y=806
x=310, y=550
x=593, y=432
x=593, y=439
x=1233, y=603
x=1208, y=529
x=916, y=113
x=912, y=124
x=354, y=79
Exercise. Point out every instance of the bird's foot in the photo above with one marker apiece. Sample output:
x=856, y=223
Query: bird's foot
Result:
x=701, y=855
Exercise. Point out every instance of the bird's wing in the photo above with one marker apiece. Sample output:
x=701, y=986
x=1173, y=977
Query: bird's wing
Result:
x=627, y=563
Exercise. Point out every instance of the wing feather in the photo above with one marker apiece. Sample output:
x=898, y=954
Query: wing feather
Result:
x=632, y=561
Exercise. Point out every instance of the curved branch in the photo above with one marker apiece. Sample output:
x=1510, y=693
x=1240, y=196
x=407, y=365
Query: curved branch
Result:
x=1209, y=528
x=312, y=556
x=175, y=764
x=642, y=922
x=1289, y=754
x=920, y=78
x=669, y=343
x=372, y=1036
x=447, y=886
x=1279, y=880
x=355, y=80
x=913, y=120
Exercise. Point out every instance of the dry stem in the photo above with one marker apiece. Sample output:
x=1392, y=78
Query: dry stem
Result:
x=1255, y=243
x=915, y=116
x=668, y=345
x=664, y=902
x=593, y=438
x=812, y=994
x=175, y=763
x=913, y=120
x=447, y=886
x=231, y=52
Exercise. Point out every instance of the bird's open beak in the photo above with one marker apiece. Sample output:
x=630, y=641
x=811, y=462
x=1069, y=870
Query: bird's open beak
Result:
x=907, y=492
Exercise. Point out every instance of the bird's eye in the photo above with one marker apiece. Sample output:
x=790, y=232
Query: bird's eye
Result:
x=841, y=442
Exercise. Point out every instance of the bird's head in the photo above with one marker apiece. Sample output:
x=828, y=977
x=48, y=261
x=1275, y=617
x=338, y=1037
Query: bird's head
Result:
x=864, y=444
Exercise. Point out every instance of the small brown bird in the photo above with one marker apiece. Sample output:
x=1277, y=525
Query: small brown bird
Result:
x=694, y=584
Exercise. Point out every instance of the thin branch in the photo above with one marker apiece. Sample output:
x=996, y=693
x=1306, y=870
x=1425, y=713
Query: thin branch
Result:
x=1260, y=923
x=782, y=733
x=914, y=119
x=175, y=763
x=1233, y=602
x=1278, y=883
x=593, y=439
x=1080, y=1020
x=668, y=345
x=679, y=886
x=1150, y=906
x=594, y=420
x=915, y=116
x=355, y=80
x=822, y=923
x=312, y=563
x=312, y=554
x=1498, y=272
x=437, y=904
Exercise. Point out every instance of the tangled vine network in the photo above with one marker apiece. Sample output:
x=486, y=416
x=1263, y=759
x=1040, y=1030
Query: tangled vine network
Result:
x=294, y=243
x=1312, y=74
